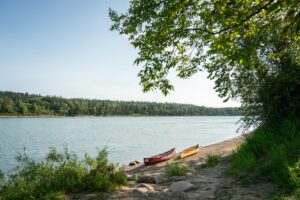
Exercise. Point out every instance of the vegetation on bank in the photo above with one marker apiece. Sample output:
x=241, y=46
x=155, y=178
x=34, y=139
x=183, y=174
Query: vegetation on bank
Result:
x=175, y=169
x=59, y=174
x=213, y=160
x=251, y=49
x=12, y=103
x=271, y=152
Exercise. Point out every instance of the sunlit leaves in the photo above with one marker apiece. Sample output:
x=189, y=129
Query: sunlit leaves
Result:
x=238, y=42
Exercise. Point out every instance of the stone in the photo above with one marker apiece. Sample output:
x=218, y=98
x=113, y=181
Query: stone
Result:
x=177, y=195
x=197, y=180
x=159, y=179
x=176, y=178
x=189, y=174
x=145, y=185
x=91, y=196
x=125, y=188
x=131, y=177
x=147, y=179
x=136, y=162
x=141, y=192
x=207, y=188
x=182, y=186
x=131, y=183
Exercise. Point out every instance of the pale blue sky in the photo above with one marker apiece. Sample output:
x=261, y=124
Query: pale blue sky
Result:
x=65, y=48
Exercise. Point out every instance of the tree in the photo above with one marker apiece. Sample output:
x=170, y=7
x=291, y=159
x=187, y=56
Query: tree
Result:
x=8, y=106
x=35, y=108
x=21, y=107
x=241, y=44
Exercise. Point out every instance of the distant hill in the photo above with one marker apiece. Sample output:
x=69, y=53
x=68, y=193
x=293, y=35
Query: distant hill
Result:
x=12, y=103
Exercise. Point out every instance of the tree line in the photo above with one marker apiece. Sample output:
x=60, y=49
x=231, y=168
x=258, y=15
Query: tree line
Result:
x=12, y=103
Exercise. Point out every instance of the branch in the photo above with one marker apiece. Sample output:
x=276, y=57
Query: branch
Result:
x=233, y=26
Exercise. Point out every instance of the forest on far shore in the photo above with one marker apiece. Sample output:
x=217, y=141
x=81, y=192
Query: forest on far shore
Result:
x=13, y=103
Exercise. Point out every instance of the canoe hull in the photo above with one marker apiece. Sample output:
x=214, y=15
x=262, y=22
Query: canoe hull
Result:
x=160, y=158
x=189, y=152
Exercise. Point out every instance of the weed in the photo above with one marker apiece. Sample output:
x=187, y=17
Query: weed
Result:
x=174, y=169
x=273, y=154
x=61, y=173
x=213, y=160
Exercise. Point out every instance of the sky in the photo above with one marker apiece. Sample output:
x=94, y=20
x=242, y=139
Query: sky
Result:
x=65, y=48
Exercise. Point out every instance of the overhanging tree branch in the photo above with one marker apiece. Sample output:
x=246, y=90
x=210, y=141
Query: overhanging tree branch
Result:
x=233, y=26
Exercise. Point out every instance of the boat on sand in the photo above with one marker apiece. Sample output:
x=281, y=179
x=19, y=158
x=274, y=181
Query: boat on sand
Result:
x=189, y=151
x=160, y=157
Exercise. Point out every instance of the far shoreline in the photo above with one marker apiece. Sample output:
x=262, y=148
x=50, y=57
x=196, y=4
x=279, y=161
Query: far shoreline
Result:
x=92, y=116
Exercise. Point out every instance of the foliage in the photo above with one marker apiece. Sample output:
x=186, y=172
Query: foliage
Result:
x=251, y=49
x=61, y=173
x=213, y=160
x=24, y=104
x=294, y=196
x=174, y=169
x=242, y=44
x=278, y=95
x=271, y=154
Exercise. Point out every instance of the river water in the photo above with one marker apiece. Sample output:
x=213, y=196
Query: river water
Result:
x=126, y=138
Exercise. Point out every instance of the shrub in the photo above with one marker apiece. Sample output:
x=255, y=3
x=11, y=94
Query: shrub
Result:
x=273, y=154
x=174, y=169
x=213, y=160
x=61, y=173
x=293, y=196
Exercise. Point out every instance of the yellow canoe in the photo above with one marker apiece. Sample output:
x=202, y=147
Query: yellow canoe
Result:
x=189, y=151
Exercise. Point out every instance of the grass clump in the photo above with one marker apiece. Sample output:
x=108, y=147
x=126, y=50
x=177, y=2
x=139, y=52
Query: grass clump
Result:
x=59, y=174
x=213, y=160
x=271, y=153
x=174, y=169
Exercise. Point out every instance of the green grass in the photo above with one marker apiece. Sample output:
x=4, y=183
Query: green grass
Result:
x=213, y=160
x=272, y=154
x=60, y=174
x=293, y=196
x=174, y=169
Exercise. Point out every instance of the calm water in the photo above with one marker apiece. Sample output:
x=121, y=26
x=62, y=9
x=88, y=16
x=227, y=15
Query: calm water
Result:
x=126, y=138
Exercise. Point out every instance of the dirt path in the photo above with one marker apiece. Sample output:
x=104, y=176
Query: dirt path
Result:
x=210, y=183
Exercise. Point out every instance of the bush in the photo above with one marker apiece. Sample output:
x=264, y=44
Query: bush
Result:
x=294, y=196
x=213, y=160
x=174, y=169
x=271, y=153
x=294, y=175
x=61, y=173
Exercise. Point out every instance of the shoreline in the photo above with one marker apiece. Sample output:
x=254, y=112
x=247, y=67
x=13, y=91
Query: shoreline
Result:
x=92, y=116
x=223, y=149
x=201, y=182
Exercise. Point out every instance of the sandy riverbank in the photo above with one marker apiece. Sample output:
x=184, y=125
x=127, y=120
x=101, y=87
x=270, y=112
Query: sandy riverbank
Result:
x=223, y=149
x=207, y=183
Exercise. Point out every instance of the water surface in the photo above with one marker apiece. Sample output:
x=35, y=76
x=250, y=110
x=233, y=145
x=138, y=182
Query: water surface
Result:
x=126, y=138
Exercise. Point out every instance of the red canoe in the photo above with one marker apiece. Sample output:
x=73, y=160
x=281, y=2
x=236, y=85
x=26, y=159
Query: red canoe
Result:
x=160, y=157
